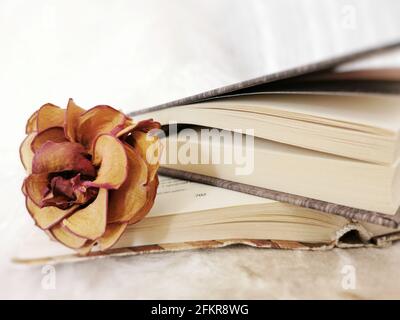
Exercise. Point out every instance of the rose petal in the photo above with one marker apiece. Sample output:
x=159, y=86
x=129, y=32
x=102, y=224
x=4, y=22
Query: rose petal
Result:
x=31, y=124
x=113, y=232
x=147, y=125
x=128, y=127
x=99, y=120
x=64, y=156
x=151, y=196
x=72, y=119
x=36, y=187
x=59, y=201
x=67, y=238
x=110, y=154
x=49, y=116
x=55, y=134
x=149, y=148
x=90, y=222
x=47, y=217
x=131, y=196
x=26, y=153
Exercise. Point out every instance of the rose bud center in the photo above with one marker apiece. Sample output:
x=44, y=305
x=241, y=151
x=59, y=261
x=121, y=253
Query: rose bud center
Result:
x=67, y=188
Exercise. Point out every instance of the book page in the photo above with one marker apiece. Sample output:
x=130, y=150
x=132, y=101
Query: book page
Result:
x=175, y=196
x=373, y=111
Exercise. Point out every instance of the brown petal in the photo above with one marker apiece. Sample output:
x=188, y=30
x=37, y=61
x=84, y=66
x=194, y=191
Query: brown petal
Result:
x=48, y=216
x=59, y=201
x=147, y=125
x=55, y=134
x=110, y=154
x=149, y=148
x=128, y=127
x=49, y=116
x=72, y=119
x=67, y=238
x=131, y=196
x=26, y=153
x=113, y=232
x=31, y=124
x=151, y=196
x=99, y=120
x=90, y=222
x=36, y=186
x=57, y=157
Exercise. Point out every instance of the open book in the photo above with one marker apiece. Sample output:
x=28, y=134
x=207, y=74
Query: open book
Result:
x=189, y=215
x=327, y=139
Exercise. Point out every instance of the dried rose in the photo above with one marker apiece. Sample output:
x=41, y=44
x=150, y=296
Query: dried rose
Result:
x=91, y=173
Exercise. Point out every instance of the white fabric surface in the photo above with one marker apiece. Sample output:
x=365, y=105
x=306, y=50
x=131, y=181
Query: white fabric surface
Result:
x=132, y=54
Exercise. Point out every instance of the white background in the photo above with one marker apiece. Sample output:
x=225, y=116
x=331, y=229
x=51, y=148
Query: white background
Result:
x=133, y=54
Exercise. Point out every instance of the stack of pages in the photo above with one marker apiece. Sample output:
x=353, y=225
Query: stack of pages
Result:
x=317, y=166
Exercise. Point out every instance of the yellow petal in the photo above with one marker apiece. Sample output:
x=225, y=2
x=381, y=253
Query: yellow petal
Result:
x=26, y=153
x=151, y=196
x=72, y=120
x=49, y=116
x=99, y=120
x=47, y=217
x=31, y=124
x=125, y=202
x=36, y=186
x=149, y=148
x=54, y=134
x=67, y=238
x=110, y=154
x=113, y=232
x=90, y=222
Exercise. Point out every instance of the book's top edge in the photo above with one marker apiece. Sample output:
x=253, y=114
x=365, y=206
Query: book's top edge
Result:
x=290, y=73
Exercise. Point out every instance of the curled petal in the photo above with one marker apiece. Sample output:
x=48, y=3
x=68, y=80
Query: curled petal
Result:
x=59, y=201
x=127, y=201
x=113, y=232
x=57, y=157
x=72, y=119
x=151, y=196
x=49, y=116
x=55, y=134
x=128, y=127
x=36, y=186
x=47, y=217
x=26, y=153
x=99, y=120
x=149, y=148
x=110, y=154
x=31, y=124
x=67, y=238
x=90, y=222
x=147, y=125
